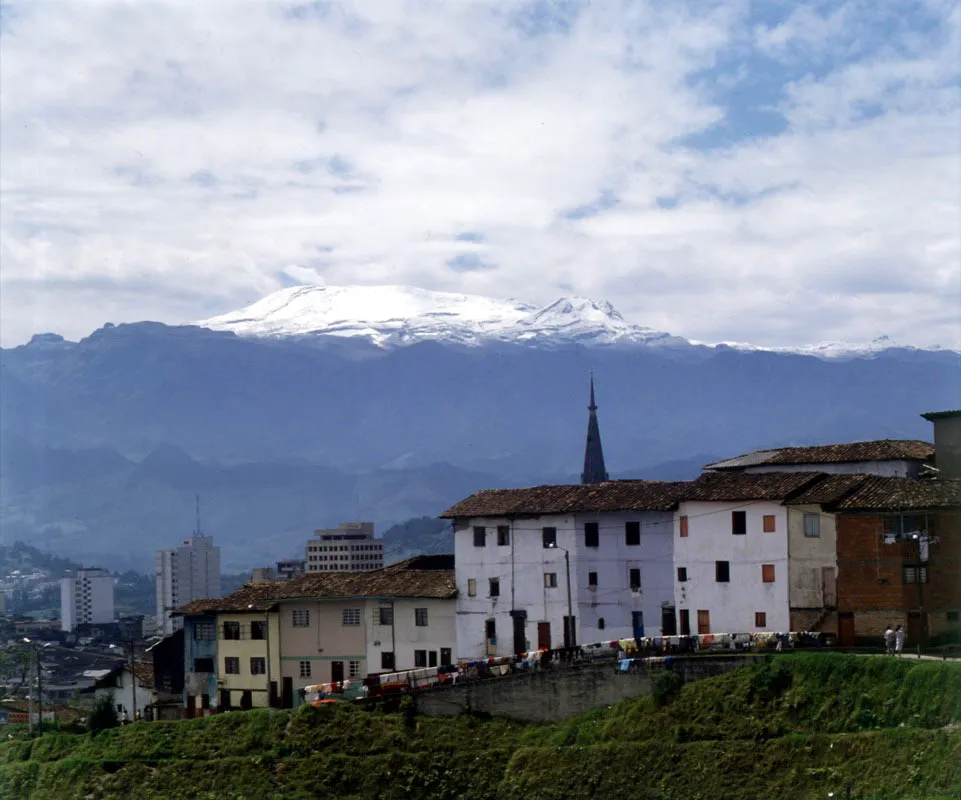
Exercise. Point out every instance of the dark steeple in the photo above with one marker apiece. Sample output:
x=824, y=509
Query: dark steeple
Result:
x=594, y=471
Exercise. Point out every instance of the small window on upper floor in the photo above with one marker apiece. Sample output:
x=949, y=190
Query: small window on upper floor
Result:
x=634, y=577
x=769, y=523
x=722, y=571
x=632, y=533
x=549, y=537
x=480, y=536
x=812, y=525
x=684, y=527
x=681, y=574
x=495, y=587
x=503, y=535
x=592, y=580
x=592, y=537
x=472, y=587
x=739, y=523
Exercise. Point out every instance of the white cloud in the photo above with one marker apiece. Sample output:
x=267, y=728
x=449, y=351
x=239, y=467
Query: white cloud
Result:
x=174, y=160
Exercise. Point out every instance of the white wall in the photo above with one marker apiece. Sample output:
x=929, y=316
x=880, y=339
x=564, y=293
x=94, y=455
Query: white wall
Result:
x=86, y=598
x=521, y=566
x=404, y=636
x=896, y=469
x=732, y=605
x=123, y=695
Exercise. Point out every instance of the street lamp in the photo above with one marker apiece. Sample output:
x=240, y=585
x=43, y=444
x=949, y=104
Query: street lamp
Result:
x=570, y=638
x=36, y=658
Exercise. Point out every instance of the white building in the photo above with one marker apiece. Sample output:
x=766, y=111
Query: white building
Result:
x=514, y=549
x=886, y=457
x=348, y=548
x=188, y=572
x=756, y=552
x=86, y=598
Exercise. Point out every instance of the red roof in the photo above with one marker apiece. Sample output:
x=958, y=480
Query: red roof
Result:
x=850, y=452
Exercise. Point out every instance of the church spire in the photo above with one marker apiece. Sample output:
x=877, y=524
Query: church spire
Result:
x=594, y=471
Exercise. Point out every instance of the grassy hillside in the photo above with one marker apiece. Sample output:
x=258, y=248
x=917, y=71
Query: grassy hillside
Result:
x=795, y=726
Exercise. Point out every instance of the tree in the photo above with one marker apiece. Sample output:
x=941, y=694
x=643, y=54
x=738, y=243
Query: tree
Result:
x=104, y=714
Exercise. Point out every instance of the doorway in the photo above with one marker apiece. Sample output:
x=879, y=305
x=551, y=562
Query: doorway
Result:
x=668, y=621
x=703, y=621
x=519, y=618
x=336, y=671
x=637, y=624
x=685, y=621
x=288, y=693
x=917, y=633
x=846, y=629
x=543, y=636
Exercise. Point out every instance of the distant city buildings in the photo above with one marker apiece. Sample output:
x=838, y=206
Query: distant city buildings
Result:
x=185, y=573
x=86, y=598
x=349, y=548
x=290, y=567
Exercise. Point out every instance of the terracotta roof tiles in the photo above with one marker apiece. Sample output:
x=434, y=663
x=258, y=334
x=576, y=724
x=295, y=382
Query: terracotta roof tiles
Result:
x=724, y=486
x=880, y=450
x=878, y=493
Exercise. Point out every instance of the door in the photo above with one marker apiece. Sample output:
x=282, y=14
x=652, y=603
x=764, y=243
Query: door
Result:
x=703, y=621
x=637, y=623
x=189, y=708
x=829, y=587
x=685, y=622
x=288, y=693
x=846, y=629
x=917, y=633
x=519, y=618
x=668, y=621
x=224, y=703
x=543, y=636
x=336, y=671
x=490, y=637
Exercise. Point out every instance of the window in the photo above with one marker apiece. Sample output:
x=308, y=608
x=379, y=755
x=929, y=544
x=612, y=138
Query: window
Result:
x=634, y=577
x=684, y=530
x=353, y=669
x=600, y=623
x=632, y=533
x=420, y=658
x=203, y=665
x=592, y=537
x=769, y=523
x=495, y=587
x=812, y=525
x=503, y=535
x=480, y=536
x=420, y=617
x=432, y=658
x=760, y=619
x=550, y=580
x=739, y=523
x=681, y=574
x=387, y=660
x=205, y=631
x=232, y=665
x=592, y=580
x=446, y=657
x=549, y=537
x=258, y=630
x=231, y=630
x=385, y=615
x=351, y=616
x=490, y=630
x=472, y=587
x=301, y=617
x=258, y=666
x=304, y=669
x=767, y=573
x=913, y=573
x=722, y=571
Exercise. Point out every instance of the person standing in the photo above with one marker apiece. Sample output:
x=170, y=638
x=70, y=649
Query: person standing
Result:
x=888, y=641
x=899, y=641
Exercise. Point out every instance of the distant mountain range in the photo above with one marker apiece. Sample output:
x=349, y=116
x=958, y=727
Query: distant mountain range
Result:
x=105, y=442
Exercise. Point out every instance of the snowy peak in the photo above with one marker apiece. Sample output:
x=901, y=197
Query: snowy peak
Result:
x=396, y=315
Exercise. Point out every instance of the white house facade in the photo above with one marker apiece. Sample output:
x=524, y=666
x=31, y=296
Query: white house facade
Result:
x=555, y=566
x=406, y=633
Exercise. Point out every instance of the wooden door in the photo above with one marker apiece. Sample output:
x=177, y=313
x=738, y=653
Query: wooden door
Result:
x=543, y=636
x=829, y=587
x=846, y=630
x=685, y=622
x=336, y=671
x=703, y=621
x=917, y=633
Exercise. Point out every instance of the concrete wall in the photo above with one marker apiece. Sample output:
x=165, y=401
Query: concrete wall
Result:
x=947, y=446
x=557, y=694
x=812, y=571
x=902, y=469
x=732, y=606
x=521, y=566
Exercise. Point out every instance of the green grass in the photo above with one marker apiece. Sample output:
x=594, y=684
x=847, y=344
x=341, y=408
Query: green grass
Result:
x=796, y=726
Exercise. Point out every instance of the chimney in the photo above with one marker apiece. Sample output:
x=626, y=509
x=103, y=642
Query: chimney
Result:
x=947, y=442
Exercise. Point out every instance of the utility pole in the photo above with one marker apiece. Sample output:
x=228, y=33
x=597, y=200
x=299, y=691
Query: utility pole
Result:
x=36, y=655
x=570, y=612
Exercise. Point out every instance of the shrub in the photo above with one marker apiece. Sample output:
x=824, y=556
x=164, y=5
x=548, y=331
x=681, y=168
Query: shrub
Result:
x=665, y=686
x=103, y=715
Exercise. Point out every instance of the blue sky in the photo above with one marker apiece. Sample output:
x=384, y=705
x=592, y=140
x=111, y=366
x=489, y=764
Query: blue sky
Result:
x=773, y=172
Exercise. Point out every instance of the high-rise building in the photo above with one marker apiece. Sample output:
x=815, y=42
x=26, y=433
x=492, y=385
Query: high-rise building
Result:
x=188, y=572
x=86, y=598
x=349, y=548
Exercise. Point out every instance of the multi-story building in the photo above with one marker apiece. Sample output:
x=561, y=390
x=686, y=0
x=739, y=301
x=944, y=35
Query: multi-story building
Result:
x=290, y=567
x=86, y=598
x=349, y=548
x=185, y=573
x=258, y=646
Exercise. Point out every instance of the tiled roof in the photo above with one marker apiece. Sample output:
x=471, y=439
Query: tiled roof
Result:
x=829, y=489
x=877, y=493
x=564, y=499
x=881, y=450
x=420, y=576
x=725, y=486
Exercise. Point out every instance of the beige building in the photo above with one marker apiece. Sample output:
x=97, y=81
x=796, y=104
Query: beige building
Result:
x=275, y=638
x=349, y=548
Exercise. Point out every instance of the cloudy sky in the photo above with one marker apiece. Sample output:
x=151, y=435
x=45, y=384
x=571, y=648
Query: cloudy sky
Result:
x=772, y=172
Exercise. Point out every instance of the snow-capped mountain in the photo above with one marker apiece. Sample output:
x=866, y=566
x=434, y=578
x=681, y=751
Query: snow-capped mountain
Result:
x=398, y=315
x=393, y=316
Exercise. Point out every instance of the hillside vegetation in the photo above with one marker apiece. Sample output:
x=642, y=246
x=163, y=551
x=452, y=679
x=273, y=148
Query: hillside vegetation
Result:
x=798, y=726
